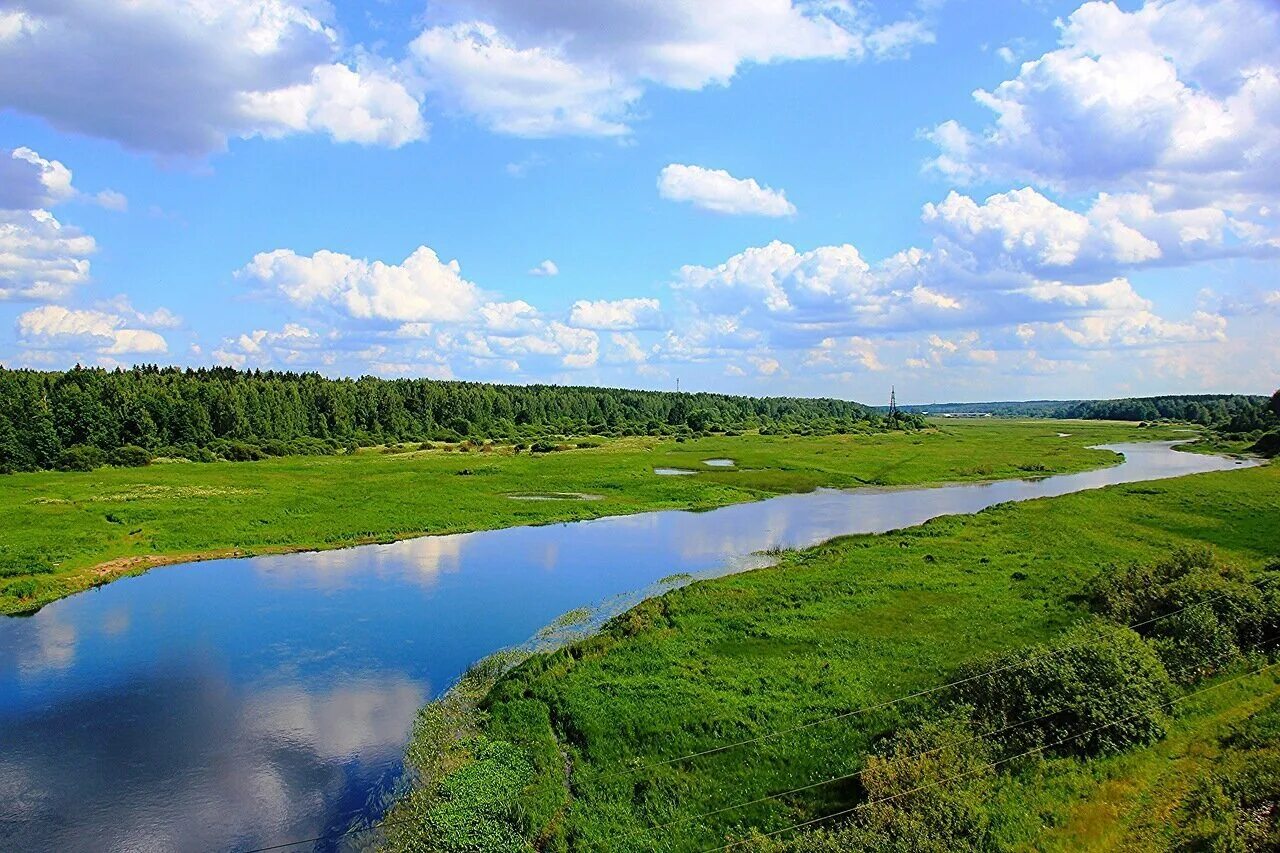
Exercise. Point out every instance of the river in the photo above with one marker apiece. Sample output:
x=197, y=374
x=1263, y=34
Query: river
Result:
x=232, y=704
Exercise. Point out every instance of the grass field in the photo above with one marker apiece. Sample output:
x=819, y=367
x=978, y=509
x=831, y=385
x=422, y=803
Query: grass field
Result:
x=578, y=742
x=64, y=532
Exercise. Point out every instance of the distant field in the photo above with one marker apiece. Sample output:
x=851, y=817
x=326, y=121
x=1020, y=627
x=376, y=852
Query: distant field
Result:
x=64, y=532
x=579, y=739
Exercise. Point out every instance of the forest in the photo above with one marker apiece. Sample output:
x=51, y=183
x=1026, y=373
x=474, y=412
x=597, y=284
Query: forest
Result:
x=1206, y=409
x=84, y=417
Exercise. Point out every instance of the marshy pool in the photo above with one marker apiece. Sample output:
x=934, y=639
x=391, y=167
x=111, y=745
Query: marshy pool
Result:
x=235, y=704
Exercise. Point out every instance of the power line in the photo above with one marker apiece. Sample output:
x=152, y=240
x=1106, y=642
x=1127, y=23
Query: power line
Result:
x=994, y=764
x=888, y=702
x=781, y=732
x=854, y=775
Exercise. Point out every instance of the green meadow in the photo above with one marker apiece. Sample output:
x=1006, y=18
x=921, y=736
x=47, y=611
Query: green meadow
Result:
x=67, y=531
x=694, y=719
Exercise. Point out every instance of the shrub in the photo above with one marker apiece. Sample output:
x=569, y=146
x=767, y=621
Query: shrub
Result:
x=1268, y=445
x=24, y=589
x=81, y=457
x=543, y=447
x=1192, y=608
x=129, y=456
x=1094, y=676
x=238, y=451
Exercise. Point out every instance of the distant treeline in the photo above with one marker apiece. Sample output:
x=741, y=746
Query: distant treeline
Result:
x=79, y=417
x=1207, y=409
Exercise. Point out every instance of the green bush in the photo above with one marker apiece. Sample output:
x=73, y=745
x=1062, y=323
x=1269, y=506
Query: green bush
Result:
x=237, y=451
x=1192, y=608
x=925, y=788
x=1098, y=685
x=81, y=457
x=23, y=589
x=129, y=456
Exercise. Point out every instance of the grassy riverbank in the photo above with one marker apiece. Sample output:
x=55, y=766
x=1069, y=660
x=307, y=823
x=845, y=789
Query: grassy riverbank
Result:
x=581, y=740
x=65, y=532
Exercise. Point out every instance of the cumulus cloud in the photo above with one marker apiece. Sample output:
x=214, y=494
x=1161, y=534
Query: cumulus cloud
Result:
x=546, y=268
x=618, y=314
x=54, y=326
x=180, y=77
x=364, y=106
x=420, y=289
x=293, y=344
x=560, y=67
x=40, y=258
x=1179, y=98
x=717, y=190
x=29, y=182
x=530, y=92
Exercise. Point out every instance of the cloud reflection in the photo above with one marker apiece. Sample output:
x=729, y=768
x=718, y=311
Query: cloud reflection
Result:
x=187, y=762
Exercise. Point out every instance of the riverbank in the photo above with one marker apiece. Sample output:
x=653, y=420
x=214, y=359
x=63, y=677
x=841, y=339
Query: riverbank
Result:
x=67, y=532
x=584, y=737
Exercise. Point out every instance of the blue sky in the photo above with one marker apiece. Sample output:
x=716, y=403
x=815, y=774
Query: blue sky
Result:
x=965, y=200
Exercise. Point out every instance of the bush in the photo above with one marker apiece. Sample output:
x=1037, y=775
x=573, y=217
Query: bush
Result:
x=1192, y=608
x=926, y=788
x=1268, y=445
x=129, y=456
x=543, y=447
x=237, y=451
x=24, y=589
x=1094, y=675
x=81, y=457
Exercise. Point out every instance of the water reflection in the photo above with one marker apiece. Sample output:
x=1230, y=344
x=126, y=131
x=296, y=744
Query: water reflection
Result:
x=231, y=704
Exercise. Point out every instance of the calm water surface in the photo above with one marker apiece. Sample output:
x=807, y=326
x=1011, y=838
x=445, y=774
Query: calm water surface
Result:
x=239, y=703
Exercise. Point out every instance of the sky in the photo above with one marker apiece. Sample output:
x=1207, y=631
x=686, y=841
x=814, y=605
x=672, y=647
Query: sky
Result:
x=1005, y=199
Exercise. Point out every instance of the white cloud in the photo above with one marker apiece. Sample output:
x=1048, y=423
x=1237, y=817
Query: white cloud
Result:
x=367, y=107
x=29, y=181
x=293, y=344
x=179, y=77
x=524, y=92
x=420, y=289
x=1179, y=99
x=618, y=314
x=844, y=354
x=627, y=348
x=717, y=190
x=765, y=365
x=58, y=327
x=39, y=257
x=546, y=268
x=560, y=67
x=509, y=317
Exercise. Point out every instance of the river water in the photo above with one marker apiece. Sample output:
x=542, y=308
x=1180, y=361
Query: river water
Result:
x=233, y=704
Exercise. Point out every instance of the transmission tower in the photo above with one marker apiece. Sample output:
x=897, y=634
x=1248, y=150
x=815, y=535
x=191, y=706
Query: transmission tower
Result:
x=893, y=406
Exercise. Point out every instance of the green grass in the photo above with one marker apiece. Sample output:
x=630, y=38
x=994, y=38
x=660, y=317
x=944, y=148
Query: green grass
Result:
x=841, y=626
x=1142, y=800
x=65, y=532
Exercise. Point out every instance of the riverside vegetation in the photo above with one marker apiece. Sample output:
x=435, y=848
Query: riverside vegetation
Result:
x=1087, y=734
x=67, y=531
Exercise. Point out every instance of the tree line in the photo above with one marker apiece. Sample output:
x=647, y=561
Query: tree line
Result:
x=85, y=416
x=1206, y=409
